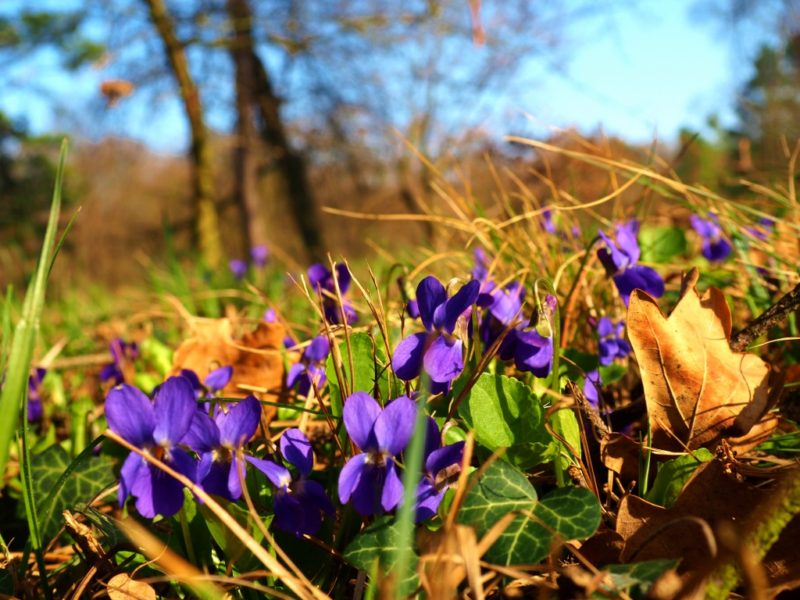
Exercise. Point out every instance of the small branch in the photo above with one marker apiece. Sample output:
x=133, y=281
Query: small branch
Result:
x=773, y=315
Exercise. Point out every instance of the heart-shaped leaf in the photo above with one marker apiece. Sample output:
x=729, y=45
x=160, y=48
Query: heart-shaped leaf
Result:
x=378, y=542
x=505, y=413
x=634, y=579
x=564, y=514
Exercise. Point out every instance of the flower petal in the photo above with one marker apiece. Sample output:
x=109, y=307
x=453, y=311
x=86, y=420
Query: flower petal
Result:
x=443, y=359
x=360, y=414
x=444, y=457
x=639, y=277
x=318, y=276
x=240, y=423
x=130, y=414
x=458, y=304
x=605, y=327
x=219, y=378
x=290, y=514
x=343, y=278
x=312, y=493
x=279, y=476
x=318, y=349
x=296, y=449
x=407, y=357
x=295, y=371
x=392, y=493
x=430, y=294
x=350, y=476
x=534, y=353
x=428, y=500
x=174, y=408
x=128, y=475
x=432, y=437
x=203, y=434
x=236, y=475
x=213, y=476
x=394, y=426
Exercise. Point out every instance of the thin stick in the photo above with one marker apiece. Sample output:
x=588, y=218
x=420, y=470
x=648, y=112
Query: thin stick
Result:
x=773, y=315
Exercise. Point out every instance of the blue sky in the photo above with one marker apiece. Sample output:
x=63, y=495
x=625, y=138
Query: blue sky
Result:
x=638, y=73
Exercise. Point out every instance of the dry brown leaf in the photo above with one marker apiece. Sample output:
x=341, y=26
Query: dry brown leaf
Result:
x=122, y=587
x=697, y=389
x=621, y=454
x=257, y=357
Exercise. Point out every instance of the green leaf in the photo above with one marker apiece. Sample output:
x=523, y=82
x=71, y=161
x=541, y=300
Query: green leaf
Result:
x=232, y=547
x=611, y=373
x=662, y=244
x=379, y=542
x=568, y=513
x=61, y=484
x=673, y=474
x=635, y=579
x=505, y=413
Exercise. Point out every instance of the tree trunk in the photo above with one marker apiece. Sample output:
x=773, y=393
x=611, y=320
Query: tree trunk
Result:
x=289, y=163
x=246, y=165
x=207, y=231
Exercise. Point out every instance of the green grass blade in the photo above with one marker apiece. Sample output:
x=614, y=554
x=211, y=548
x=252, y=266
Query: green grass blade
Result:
x=411, y=476
x=27, y=329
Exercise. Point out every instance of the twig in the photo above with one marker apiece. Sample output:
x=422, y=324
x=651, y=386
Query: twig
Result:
x=773, y=315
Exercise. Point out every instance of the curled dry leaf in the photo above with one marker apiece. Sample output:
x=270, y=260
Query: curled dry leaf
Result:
x=257, y=357
x=123, y=587
x=697, y=389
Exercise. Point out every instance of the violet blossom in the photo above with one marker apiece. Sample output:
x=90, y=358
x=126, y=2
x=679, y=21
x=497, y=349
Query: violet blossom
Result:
x=714, y=246
x=620, y=260
x=441, y=465
x=35, y=408
x=298, y=502
x=322, y=281
x=219, y=442
x=438, y=350
x=310, y=371
x=612, y=342
x=157, y=428
x=122, y=354
x=238, y=268
x=370, y=479
x=259, y=254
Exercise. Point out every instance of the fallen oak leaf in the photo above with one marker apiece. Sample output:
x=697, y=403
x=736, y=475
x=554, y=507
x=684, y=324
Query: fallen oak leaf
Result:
x=257, y=357
x=697, y=389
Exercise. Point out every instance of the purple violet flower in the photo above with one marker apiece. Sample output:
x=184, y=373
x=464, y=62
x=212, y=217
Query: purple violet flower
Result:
x=259, y=254
x=122, y=353
x=35, y=408
x=321, y=279
x=530, y=350
x=612, y=342
x=763, y=229
x=504, y=305
x=310, y=371
x=217, y=379
x=157, y=428
x=299, y=502
x=621, y=259
x=714, y=247
x=547, y=221
x=370, y=479
x=441, y=467
x=219, y=442
x=238, y=268
x=438, y=350
x=591, y=388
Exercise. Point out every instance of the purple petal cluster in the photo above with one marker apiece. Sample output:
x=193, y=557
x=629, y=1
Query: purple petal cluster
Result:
x=122, y=353
x=715, y=247
x=592, y=387
x=259, y=255
x=612, y=342
x=219, y=442
x=310, y=371
x=299, y=502
x=35, y=408
x=441, y=467
x=438, y=350
x=503, y=306
x=322, y=281
x=238, y=268
x=156, y=428
x=620, y=260
x=370, y=479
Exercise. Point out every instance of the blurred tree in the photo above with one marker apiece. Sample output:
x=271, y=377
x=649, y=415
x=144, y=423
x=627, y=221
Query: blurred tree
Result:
x=206, y=220
x=258, y=112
